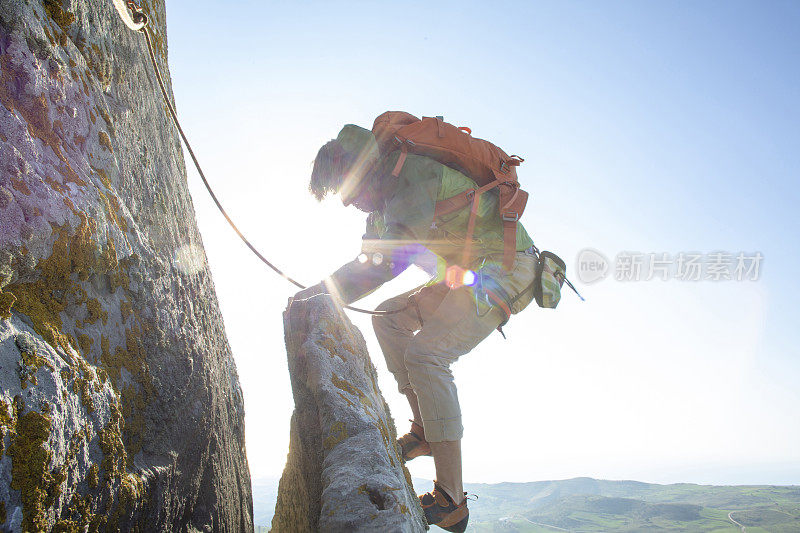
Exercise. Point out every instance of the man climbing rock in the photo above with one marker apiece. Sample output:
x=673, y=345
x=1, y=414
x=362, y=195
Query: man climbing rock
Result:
x=469, y=295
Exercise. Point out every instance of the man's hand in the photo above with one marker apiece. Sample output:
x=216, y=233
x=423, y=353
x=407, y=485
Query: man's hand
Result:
x=308, y=292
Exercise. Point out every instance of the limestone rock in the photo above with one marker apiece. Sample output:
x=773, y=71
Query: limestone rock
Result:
x=344, y=471
x=120, y=405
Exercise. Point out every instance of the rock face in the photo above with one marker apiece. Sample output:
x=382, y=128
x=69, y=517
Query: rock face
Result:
x=120, y=406
x=344, y=471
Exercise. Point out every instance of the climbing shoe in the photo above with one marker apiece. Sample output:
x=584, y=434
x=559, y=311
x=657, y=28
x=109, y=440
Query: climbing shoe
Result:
x=413, y=443
x=440, y=510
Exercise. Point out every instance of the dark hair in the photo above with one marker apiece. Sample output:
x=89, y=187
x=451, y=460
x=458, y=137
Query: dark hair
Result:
x=330, y=167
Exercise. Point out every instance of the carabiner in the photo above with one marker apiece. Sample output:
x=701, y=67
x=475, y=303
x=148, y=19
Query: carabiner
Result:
x=131, y=14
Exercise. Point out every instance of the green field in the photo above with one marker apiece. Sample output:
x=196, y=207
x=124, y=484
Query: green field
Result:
x=585, y=504
x=588, y=505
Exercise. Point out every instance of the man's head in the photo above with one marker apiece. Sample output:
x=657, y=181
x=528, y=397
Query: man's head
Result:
x=345, y=165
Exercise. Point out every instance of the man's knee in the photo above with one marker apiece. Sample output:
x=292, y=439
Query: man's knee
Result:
x=378, y=322
x=383, y=322
x=383, y=325
x=392, y=304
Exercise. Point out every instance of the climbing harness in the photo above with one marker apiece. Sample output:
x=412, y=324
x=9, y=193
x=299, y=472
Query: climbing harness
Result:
x=134, y=18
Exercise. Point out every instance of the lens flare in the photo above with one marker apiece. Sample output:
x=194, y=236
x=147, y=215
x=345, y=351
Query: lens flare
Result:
x=377, y=258
x=362, y=258
x=469, y=278
x=456, y=277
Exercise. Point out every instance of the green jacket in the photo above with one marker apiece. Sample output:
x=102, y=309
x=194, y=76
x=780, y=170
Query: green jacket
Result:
x=404, y=231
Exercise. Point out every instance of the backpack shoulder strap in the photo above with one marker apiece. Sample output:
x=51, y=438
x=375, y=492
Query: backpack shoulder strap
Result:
x=512, y=204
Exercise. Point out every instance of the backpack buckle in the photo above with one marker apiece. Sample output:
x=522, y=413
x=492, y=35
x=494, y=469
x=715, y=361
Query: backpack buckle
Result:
x=510, y=216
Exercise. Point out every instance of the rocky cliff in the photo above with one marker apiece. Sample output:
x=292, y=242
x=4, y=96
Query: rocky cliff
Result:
x=120, y=405
x=344, y=471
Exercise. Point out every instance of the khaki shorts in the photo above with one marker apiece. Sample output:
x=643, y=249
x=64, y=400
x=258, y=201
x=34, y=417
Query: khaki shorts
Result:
x=437, y=327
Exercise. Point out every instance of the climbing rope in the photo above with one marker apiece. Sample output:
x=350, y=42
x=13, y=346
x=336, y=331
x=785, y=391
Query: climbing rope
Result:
x=134, y=17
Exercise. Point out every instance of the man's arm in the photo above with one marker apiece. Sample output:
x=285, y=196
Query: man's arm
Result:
x=378, y=263
x=408, y=217
x=356, y=280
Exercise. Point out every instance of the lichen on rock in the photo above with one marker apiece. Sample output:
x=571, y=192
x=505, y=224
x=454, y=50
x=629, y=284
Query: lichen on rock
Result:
x=114, y=414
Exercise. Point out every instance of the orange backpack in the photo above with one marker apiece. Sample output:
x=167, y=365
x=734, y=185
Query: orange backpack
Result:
x=483, y=162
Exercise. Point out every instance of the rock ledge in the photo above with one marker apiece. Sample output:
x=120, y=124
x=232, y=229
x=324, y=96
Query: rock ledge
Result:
x=344, y=471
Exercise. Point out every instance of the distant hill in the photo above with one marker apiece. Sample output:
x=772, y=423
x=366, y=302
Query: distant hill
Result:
x=587, y=505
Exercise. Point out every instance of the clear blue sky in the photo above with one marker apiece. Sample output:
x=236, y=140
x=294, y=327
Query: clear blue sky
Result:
x=646, y=127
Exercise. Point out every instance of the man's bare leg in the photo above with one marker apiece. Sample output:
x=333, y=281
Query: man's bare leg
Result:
x=447, y=458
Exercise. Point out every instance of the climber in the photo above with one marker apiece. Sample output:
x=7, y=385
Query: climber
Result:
x=445, y=318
